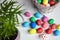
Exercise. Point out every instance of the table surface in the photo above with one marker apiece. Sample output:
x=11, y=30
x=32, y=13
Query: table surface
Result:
x=28, y=6
x=24, y=31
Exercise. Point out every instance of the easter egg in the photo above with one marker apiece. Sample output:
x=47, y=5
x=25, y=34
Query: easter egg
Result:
x=58, y=27
x=44, y=25
x=48, y=31
x=27, y=14
x=38, y=22
x=32, y=31
x=51, y=21
x=37, y=15
x=45, y=2
x=39, y=1
x=44, y=19
x=48, y=5
x=32, y=19
x=42, y=5
x=56, y=1
x=51, y=3
x=25, y=24
x=53, y=26
x=39, y=30
x=33, y=25
x=56, y=33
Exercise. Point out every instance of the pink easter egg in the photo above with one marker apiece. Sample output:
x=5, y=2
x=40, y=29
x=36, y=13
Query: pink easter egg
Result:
x=27, y=14
x=45, y=25
x=48, y=5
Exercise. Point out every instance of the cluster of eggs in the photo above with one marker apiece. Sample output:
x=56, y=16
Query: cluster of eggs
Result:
x=46, y=2
x=47, y=25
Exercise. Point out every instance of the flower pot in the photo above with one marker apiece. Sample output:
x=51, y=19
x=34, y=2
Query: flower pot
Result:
x=13, y=37
x=45, y=9
x=18, y=36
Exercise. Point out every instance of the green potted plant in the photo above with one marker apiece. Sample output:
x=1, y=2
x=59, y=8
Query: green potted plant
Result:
x=8, y=19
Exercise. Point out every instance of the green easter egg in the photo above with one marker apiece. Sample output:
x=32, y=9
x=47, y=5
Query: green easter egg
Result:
x=32, y=19
x=39, y=1
x=51, y=21
x=56, y=1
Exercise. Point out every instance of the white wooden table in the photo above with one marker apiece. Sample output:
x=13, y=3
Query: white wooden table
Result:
x=23, y=31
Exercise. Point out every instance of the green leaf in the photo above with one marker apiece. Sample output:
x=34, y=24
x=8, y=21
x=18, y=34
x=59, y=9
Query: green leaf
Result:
x=9, y=18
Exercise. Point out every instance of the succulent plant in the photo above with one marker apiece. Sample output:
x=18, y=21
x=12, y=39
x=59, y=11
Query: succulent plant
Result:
x=9, y=12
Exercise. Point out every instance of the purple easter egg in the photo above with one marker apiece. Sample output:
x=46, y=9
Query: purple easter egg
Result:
x=27, y=14
x=44, y=19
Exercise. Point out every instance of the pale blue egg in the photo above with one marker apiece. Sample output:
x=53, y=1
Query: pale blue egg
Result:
x=25, y=24
x=37, y=15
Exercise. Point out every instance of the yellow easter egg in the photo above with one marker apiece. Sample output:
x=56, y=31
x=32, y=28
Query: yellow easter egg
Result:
x=58, y=27
x=32, y=31
x=45, y=2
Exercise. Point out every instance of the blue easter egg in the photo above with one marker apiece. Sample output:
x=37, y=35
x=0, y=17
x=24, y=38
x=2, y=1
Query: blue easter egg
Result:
x=37, y=15
x=56, y=32
x=33, y=25
x=25, y=24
